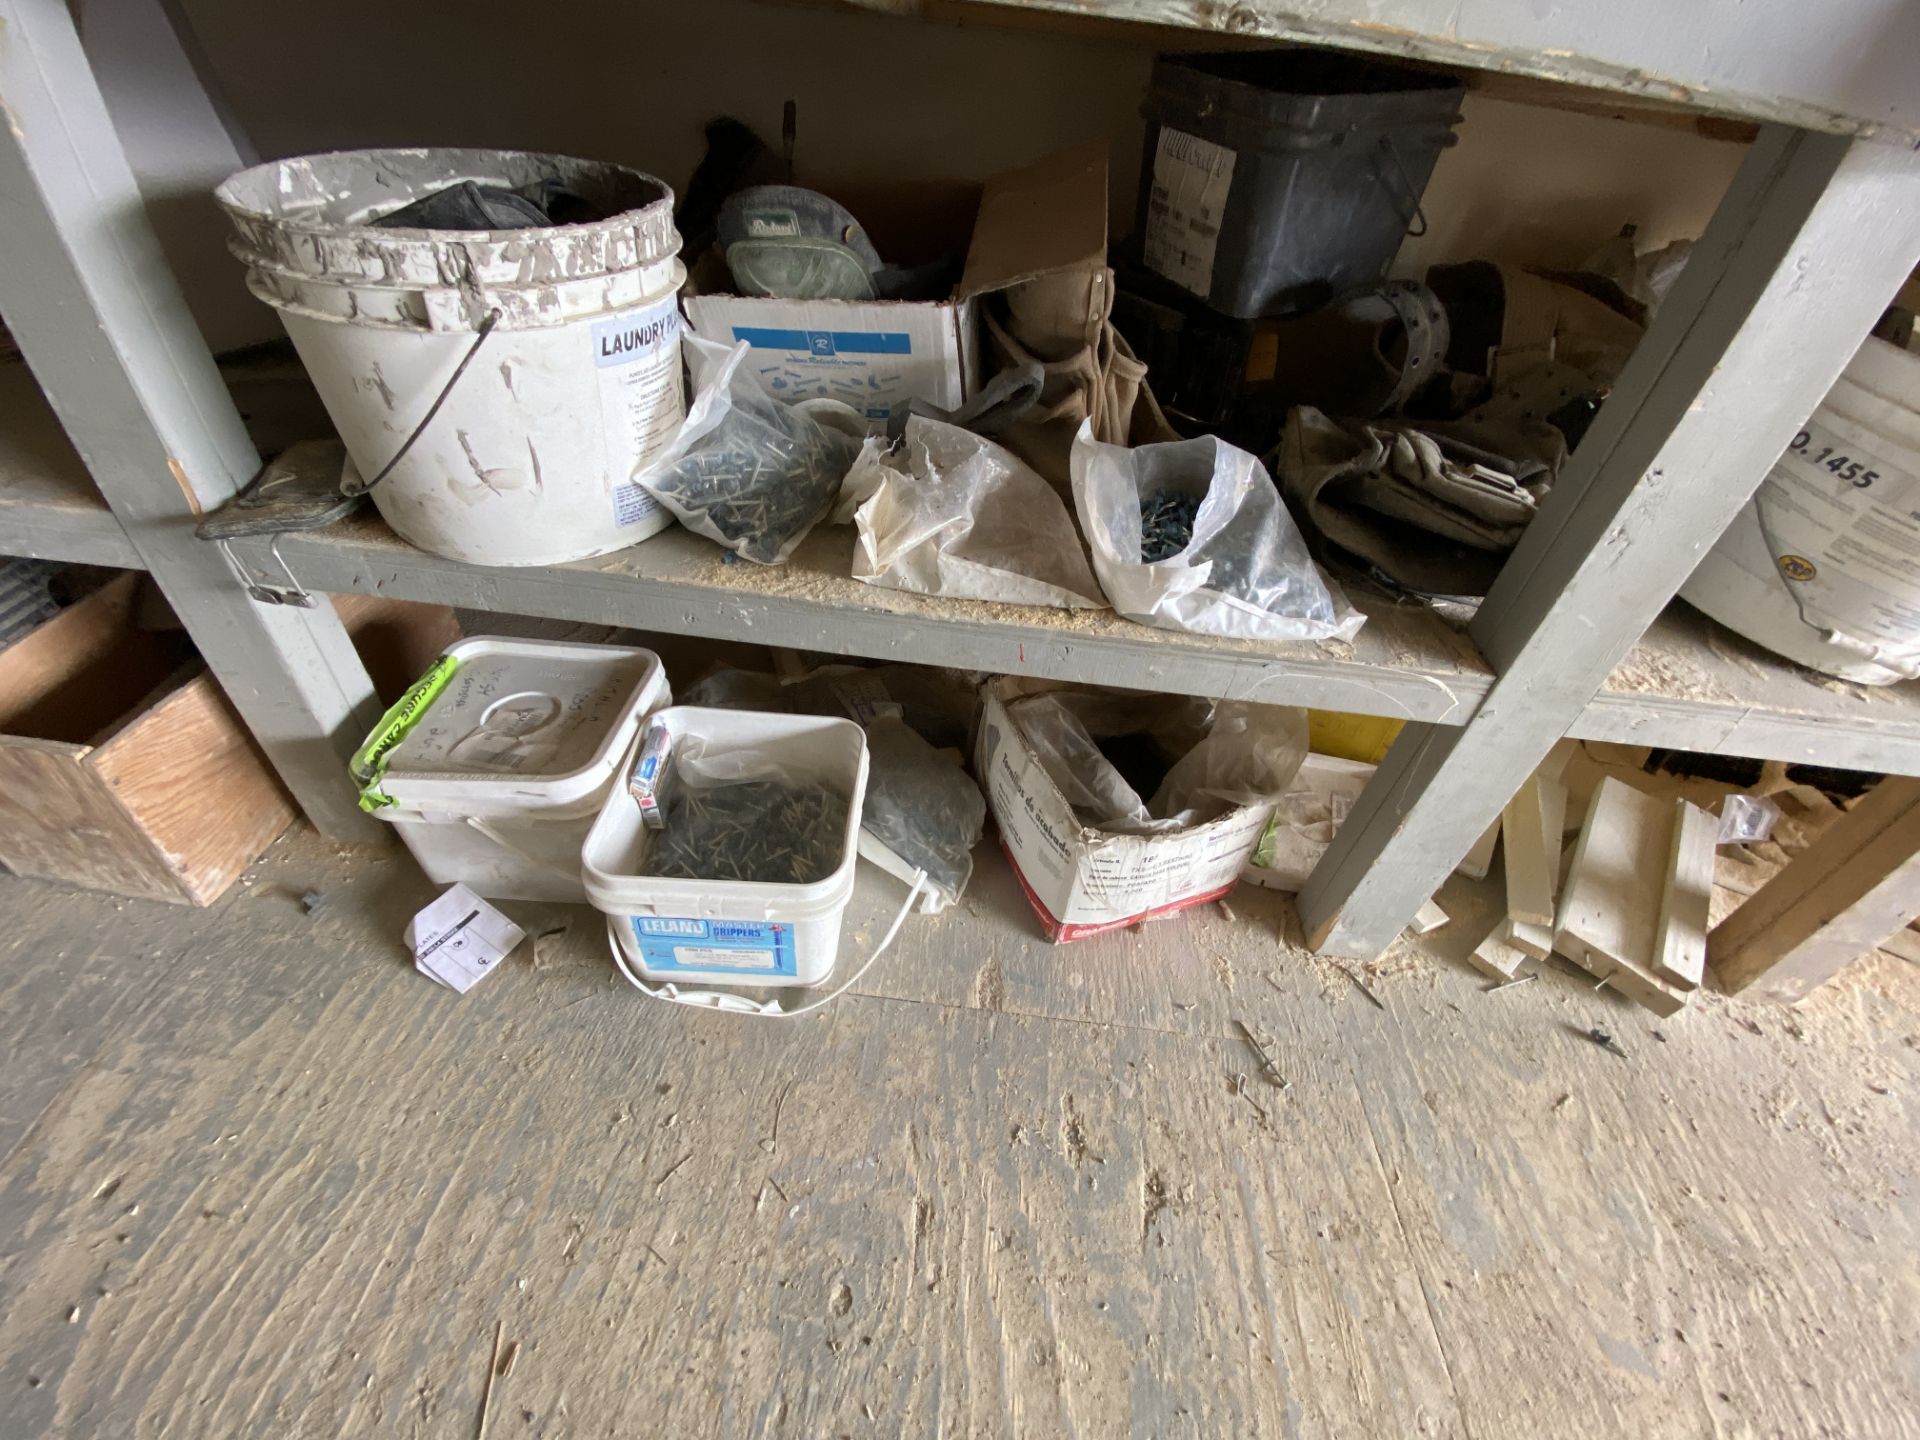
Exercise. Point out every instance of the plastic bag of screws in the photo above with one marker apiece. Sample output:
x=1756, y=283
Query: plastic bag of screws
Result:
x=734, y=815
x=745, y=470
x=1192, y=535
x=922, y=810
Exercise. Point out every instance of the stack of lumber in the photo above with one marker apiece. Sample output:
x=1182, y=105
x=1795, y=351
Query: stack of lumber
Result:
x=1630, y=907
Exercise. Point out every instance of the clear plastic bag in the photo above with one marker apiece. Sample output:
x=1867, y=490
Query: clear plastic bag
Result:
x=923, y=808
x=746, y=471
x=1196, y=759
x=1244, y=573
x=1747, y=819
x=950, y=513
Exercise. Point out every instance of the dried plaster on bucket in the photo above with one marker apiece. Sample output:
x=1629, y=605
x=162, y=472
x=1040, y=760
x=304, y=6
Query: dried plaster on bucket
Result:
x=577, y=384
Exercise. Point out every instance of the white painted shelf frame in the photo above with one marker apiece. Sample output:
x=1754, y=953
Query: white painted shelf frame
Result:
x=1814, y=236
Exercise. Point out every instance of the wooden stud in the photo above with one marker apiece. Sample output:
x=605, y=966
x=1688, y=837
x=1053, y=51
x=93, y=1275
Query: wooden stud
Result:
x=1855, y=886
x=1680, y=935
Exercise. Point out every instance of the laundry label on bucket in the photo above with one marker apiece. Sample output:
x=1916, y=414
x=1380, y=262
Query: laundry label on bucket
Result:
x=673, y=942
x=1191, y=178
x=636, y=357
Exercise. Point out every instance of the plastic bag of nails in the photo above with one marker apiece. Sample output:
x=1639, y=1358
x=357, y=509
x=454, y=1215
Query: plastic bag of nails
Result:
x=1133, y=764
x=735, y=814
x=1192, y=535
x=746, y=471
x=922, y=811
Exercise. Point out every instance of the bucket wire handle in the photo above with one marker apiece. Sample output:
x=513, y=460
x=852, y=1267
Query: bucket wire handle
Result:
x=1393, y=153
x=739, y=1004
x=1904, y=665
x=486, y=329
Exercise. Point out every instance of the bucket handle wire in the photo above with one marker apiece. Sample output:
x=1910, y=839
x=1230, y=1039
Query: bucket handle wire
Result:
x=770, y=1009
x=1393, y=153
x=486, y=329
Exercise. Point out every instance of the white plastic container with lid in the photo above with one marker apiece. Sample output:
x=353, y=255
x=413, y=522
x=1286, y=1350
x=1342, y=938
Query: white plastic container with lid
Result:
x=722, y=931
x=499, y=780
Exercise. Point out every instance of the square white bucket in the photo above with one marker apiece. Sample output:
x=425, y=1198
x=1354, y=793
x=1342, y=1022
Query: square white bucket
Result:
x=497, y=784
x=730, y=932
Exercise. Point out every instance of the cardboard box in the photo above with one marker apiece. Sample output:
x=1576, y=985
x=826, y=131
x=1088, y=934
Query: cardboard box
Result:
x=1082, y=881
x=122, y=767
x=876, y=355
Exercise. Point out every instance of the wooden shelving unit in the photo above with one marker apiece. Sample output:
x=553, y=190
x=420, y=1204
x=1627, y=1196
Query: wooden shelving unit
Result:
x=1816, y=232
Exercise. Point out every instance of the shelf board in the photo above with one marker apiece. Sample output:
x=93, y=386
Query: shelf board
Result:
x=1406, y=662
x=1693, y=685
x=49, y=506
x=1689, y=684
x=1767, y=67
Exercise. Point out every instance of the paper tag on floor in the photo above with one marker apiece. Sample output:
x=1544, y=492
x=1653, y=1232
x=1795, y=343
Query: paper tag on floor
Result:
x=459, y=938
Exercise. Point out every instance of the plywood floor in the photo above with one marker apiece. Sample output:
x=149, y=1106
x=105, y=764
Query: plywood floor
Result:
x=260, y=1179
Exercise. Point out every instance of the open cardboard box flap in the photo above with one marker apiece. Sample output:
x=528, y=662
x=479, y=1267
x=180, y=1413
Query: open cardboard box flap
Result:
x=1045, y=217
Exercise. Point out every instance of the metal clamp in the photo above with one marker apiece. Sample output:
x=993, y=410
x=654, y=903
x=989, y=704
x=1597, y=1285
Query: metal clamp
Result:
x=265, y=592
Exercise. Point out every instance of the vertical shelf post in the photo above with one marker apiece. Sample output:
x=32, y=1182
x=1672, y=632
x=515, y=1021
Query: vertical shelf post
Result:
x=87, y=293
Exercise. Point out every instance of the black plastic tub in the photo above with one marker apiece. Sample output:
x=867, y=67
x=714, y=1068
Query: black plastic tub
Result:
x=1275, y=179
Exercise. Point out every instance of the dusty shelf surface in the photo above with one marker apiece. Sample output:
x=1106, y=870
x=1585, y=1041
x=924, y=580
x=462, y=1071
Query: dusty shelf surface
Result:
x=259, y=1177
x=49, y=505
x=1692, y=684
x=1406, y=662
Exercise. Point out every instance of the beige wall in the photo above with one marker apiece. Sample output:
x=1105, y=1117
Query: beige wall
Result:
x=634, y=80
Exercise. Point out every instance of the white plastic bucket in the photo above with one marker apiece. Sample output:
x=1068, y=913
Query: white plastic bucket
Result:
x=498, y=782
x=721, y=931
x=1823, y=565
x=530, y=459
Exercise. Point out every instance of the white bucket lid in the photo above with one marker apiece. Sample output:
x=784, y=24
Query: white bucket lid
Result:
x=524, y=725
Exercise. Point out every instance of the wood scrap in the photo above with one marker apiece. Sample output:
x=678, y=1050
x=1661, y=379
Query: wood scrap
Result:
x=1855, y=886
x=1610, y=907
x=1429, y=919
x=1532, y=858
x=1535, y=940
x=1680, y=934
x=1480, y=858
x=1553, y=828
x=1497, y=956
